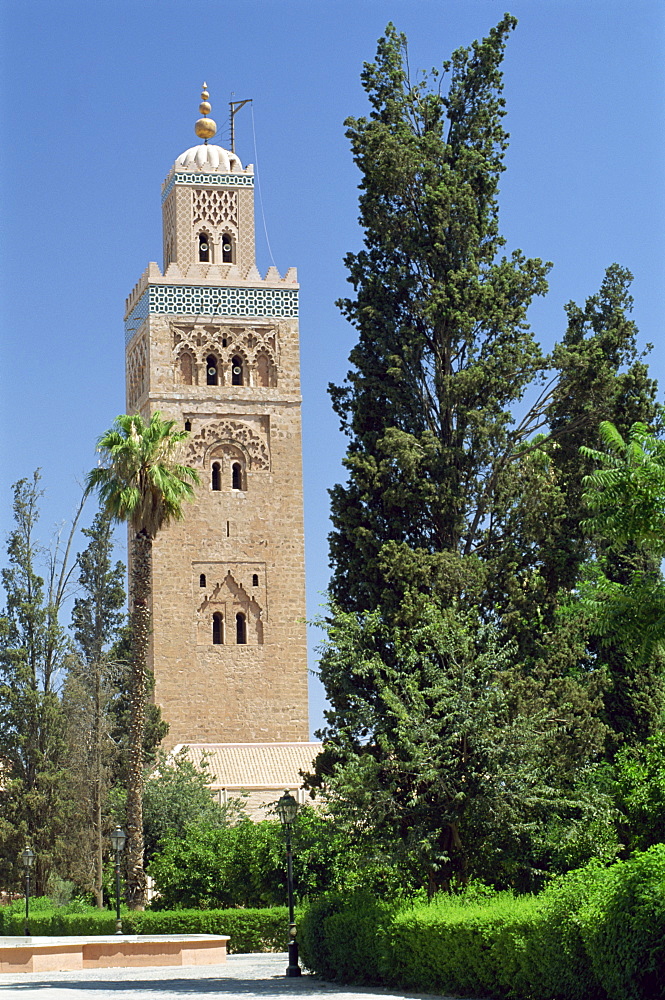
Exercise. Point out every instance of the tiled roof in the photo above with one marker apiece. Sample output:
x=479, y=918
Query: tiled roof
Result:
x=253, y=765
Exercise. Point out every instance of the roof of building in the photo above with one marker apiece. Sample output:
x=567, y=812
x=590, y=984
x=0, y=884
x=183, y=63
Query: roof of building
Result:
x=208, y=158
x=253, y=765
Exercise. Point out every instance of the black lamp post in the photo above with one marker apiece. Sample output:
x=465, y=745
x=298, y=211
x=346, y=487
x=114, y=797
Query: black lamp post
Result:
x=287, y=808
x=118, y=839
x=28, y=859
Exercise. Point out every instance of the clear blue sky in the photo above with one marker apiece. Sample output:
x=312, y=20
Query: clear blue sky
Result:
x=98, y=99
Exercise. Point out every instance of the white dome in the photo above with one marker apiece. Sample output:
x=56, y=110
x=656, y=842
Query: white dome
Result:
x=206, y=157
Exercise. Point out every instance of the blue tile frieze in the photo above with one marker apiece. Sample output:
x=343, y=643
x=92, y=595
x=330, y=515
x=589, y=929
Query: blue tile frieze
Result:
x=208, y=180
x=211, y=301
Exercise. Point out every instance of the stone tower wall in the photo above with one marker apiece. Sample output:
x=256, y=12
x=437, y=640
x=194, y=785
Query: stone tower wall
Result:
x=240, y=549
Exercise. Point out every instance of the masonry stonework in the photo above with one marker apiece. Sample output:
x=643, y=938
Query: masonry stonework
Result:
x=214, y=346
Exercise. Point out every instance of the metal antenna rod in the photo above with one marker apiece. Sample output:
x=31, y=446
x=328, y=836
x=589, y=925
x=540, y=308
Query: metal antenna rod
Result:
x=235, y=107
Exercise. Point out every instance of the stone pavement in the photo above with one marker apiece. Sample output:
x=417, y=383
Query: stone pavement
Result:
x=243, y=976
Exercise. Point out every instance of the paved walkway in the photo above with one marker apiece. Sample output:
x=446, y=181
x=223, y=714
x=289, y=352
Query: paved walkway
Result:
x=242, y=976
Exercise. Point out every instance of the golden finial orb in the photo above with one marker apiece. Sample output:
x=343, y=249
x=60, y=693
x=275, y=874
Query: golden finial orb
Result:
x=205, y=127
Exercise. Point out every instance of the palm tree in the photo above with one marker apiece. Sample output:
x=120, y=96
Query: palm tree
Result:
x=140, y=481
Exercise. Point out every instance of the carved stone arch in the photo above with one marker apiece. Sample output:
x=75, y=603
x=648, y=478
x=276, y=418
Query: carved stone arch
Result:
x=183, y=335
x=265, y=369
x=186, y=369
x=228, y=244
x=204, y=246
x=238, y=353
x=212, y=366
x=234, y=463
x=243, y=603
x=251, y=438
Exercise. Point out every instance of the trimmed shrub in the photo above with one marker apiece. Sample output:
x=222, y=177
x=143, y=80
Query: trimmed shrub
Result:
x=594, y=934
x=555, y=960
x=623, y=928
x=249, y=930
x=342, y=937
x=453, y=946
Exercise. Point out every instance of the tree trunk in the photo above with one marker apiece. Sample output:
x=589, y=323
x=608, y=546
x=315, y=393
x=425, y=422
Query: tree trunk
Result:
x=140, y=629
x=97, y=793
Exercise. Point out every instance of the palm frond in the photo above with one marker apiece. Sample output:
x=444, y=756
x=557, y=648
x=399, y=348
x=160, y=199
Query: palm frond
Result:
x=140, y=479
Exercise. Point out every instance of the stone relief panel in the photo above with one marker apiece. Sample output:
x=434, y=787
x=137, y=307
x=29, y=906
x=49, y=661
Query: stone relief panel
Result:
x=137, y=372
x=249, y=434
x=218, y=207
x=256, y=346
x=228, y=613
x=169, y=229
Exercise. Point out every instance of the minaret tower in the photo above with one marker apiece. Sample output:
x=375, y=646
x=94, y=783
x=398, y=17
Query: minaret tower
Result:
x=214, y=346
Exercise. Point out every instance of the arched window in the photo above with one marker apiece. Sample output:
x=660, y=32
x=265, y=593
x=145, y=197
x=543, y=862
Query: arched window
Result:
x=255, y=580
x=236, y=472
x=186, y=368
x=227, y=249
x=241, y=629
x=204, y=248
x=212, y=375
x=216, y=476
x=265, y=371
x=217, y=629
x=236, y=370
x=202, y=580
x=188, y=425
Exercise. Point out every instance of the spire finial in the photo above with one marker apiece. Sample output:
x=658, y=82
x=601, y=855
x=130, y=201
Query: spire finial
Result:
x=205, y=127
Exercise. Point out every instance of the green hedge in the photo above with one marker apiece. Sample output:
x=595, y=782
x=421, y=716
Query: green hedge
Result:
x=624, y=929
x=594, y=934
x=249, y=930
x=475, y=949
x=340, y=937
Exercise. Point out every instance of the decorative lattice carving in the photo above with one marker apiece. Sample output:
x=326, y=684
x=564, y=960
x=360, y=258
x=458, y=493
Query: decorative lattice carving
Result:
x=186, y=251
x=137, y=372
x=251, y=438
x=255, y=345
x=246, y=228
x=216, y=207
x=169, y=228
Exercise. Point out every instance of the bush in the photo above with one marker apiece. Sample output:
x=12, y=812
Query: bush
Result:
x=623, y=928
x=595, y=934
x=47, y=921
x=212, y=867
x=450, y=945
x=341, y=937
x=555, y=959
x=249, y=930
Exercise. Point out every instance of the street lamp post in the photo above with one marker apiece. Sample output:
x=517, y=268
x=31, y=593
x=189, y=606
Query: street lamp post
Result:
x=118, y=839
x=28, y=858
x=287, y=808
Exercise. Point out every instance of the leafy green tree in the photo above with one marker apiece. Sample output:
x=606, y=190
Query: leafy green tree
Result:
x=444, y=349
x=450, y=495
x=626, y=494
x=176, y=796
x=434, y=752
x=91, y=684
x=241, y=865
x=640, y=793
x=154, y=729
x=141, y=481
x=33, y=646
